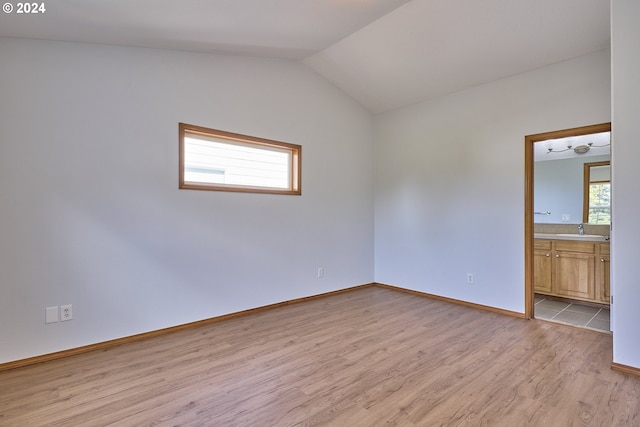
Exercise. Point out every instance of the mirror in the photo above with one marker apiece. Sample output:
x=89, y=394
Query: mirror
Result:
x=563, y=178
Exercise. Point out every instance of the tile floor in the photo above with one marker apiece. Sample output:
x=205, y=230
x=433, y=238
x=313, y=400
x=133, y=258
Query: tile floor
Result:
x=572, y=313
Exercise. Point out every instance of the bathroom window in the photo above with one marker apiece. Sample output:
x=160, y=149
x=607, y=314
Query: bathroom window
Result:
x=597, y=193
x=216, y=160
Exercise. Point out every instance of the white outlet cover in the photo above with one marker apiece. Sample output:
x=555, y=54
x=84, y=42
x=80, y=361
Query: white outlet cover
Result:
x=66, y=313
x=51, y=314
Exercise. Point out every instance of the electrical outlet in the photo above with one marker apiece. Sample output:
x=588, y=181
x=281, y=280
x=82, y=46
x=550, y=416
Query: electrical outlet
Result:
x=51, y=315
x=320, y=272
x=66, y=313
x=469, y=277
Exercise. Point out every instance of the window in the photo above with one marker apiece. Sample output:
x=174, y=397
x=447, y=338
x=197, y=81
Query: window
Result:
x=222, y=161
x=597, y=193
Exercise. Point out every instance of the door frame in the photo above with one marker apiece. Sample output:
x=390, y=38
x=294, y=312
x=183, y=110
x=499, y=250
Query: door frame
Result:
x=529, y=140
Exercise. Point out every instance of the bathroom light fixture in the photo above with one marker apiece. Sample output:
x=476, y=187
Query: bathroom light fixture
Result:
x=580, y=149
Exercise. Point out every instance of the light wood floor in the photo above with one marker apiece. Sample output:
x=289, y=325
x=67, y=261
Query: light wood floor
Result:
x=369, y=357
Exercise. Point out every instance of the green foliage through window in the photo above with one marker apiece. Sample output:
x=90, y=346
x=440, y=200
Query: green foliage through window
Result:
x=600, y=203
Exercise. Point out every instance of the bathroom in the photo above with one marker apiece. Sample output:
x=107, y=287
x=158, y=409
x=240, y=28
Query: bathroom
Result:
x=572, y=224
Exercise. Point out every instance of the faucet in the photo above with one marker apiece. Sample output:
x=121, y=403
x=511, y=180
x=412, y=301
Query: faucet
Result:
x=581, y=229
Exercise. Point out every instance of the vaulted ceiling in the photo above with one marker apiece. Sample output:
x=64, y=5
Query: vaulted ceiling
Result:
x=384, y=53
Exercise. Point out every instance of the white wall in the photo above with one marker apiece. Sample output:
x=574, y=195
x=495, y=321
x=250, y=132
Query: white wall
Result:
x=446, y=205
x=625, y=181
x=91, y=212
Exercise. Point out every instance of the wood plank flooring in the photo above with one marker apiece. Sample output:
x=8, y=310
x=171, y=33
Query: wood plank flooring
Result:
x=369, y=357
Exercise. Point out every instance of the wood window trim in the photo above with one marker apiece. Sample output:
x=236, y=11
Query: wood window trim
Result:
x=586, y=185
x=295, y=167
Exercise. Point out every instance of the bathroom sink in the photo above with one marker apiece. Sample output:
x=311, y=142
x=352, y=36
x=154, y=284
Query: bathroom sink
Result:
x=568, y=236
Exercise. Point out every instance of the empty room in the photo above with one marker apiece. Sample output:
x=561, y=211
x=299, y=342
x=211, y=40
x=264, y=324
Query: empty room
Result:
x=288, y=213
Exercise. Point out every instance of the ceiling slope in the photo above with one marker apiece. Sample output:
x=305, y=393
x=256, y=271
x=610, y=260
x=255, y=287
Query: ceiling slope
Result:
x=291, y=29
x=384, y=53
x=428, y=48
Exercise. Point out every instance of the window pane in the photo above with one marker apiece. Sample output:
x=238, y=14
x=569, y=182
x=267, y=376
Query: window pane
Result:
x=236, y=164
x=600, y=203
x=232, y=162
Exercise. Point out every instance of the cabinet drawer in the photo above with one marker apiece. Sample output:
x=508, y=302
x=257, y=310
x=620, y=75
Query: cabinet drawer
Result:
x=571, y=246
x=605, y=249
x=541, y=244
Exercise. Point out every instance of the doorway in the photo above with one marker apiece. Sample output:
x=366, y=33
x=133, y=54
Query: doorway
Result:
x=565, y=221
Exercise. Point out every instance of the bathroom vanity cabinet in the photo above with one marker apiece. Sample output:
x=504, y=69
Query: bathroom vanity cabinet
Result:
x=572, y=269
x=603, y=272
x=542, y=266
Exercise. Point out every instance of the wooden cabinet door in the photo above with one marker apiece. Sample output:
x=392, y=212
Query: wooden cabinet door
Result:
x=542, y=262
x=603, y=279
x=574, y=275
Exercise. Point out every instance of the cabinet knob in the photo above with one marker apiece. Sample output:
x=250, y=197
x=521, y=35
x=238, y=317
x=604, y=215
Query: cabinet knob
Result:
x=557, y=256
x=601, y=259
x=548, y=254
